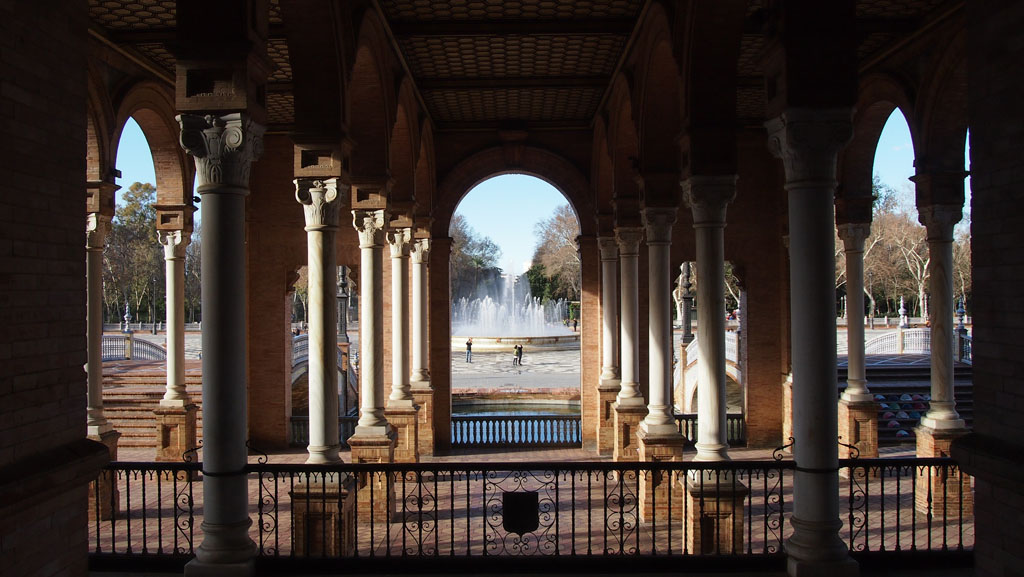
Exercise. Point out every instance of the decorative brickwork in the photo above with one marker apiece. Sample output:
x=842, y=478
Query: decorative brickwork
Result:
x=714, y=515
x=175, y=431
x=405, y=422
x=858, y=426
x=375, y=491
x=606, y=418
x=104, y=497
x=626, y=420
x=323, y=518
x=942, y=492
x=424, y=399
x=660, y=490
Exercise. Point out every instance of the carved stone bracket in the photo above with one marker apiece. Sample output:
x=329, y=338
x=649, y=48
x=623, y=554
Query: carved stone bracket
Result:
x=609, y=248
x=658, y=222
x=370, y=226
x=97, y=225
x=708, y=197
x=174, y=242
x=224, y=148
x=939, y=220
x=321, y=201
x=808, y=140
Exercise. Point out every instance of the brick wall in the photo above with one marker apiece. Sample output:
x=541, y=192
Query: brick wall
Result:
x=42, y=291
x=994, y=453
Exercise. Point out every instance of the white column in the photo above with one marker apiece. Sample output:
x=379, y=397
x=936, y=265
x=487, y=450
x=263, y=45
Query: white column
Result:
x=939, y=221
x=370, y=224
x=224, y=148
x=97, y=226
x=808, y=142
x=853, y=236
x=320, y=200
x=420, y=254
x=400, y=241
x=609, y=306
x=708, y=197
x=629, y=252
x=659, y=419
x=175, y=243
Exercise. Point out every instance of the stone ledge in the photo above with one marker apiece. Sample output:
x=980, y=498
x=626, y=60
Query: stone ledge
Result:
x=43, y=475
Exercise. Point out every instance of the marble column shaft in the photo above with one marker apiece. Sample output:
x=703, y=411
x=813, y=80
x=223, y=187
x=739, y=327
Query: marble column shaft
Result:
x=853, y=236
x=370, y=225
x=320, y=200
x=609, y=309
x=96, y=228
x=400, y=241
x=224, y=148
x=808, y=142
x=175, y=243
x=659, y=420
x=420, y=253
x=629, y=252
x=708, y=197
x=939, y=221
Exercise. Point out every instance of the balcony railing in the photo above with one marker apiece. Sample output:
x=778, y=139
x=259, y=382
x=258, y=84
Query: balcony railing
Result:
x=436, y=514
x=735, y=428
x=516, y=431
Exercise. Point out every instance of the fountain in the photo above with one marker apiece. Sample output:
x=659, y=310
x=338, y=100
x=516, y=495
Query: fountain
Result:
x=511, y=317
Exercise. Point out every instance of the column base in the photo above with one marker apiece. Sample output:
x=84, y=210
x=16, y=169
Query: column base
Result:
x=660, y=491
x=627, y=419
x=424, y=399
x=104, y=496
x=942, y=492
x=815, y=550
x=175, y=431
x=405, y=422
x=801, y=568
x=375, y=491
x=606, y=393
x=714, y=515
x=323, y=518
x=858, y=426
x=196, y=568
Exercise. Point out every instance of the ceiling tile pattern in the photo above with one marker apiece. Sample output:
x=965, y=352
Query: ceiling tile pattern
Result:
x=539, y=104
x=133, y=14
x=513, y=55
x=159, y=55
x=280, y=109
x=430, y=10
x=896, y=8
x=277, y=52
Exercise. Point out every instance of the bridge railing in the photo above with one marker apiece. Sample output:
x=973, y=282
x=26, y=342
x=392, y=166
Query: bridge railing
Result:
x=126, y=347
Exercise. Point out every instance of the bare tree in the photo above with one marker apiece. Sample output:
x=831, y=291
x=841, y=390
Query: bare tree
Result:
x=557, y=252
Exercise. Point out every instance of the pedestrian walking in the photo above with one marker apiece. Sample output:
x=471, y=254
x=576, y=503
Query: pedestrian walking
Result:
x=469, y=350
x=519, y=355
x=515, y=355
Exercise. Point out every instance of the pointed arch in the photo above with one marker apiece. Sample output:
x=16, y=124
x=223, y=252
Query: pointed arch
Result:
x=370, y=98
x=404, y=147
x=426, y=172
x=942, y=111
x=660, y=106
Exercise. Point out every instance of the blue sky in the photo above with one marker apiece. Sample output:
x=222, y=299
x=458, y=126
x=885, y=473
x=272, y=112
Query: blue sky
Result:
x=507, y=207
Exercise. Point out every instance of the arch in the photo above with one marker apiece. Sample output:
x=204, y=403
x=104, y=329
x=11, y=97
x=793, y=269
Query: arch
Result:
x=624, y=151
x=426, y=173
x=541, y=163
x=152, y=107
x=601, y=178
x=316, y=55
x=660, y=111
x=370, y=98
x=403, y=145
x=880, y=95
x=942, y=111
x=99, y=130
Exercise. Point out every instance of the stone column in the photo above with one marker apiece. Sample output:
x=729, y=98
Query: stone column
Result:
x=320, y=201
x=224, y=148
x=97, y=225
x=941, y=424
x=176, y=416
x=629, y=404
x=708, y=197
x=687, y=305
x=374, y=439
x=422, y=392
x=858, y=412
x=401, y=410
x=608, y=385
x=808, y=141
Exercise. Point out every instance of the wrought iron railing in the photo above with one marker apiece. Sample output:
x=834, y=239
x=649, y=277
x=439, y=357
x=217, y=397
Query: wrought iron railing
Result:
x=127, y=347
x=735, y=428
x=452, y=512
x=300, y=429
x=516, y=431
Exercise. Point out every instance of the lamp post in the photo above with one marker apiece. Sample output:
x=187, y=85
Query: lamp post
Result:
x=343, y=304
x=687, y=304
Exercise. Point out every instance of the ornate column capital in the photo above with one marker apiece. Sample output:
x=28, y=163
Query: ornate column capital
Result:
x=174, y=242
x=939, y=220
x=370, y=226
x=420, y=251
x=609, y=248
x=320, y=200
x=97, y=225
x=708, y=197
x=658, y=222
x=629, y=240
x=224, y=147
x=400, y=241
x=807, y=140
x=853, y=235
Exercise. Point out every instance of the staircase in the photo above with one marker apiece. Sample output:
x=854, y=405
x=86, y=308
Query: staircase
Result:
x=130, y=398
x=905, y=392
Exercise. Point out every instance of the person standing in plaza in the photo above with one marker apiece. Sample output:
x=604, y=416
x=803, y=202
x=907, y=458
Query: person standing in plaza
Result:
x=469, y=350
x=519, y=355
x=515, y=355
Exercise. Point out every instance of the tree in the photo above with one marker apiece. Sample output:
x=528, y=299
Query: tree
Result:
x=133, y=256
x=301, y=295
x=962, y=263
x=193, y=273
x=556, y=251
x=473, y=262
